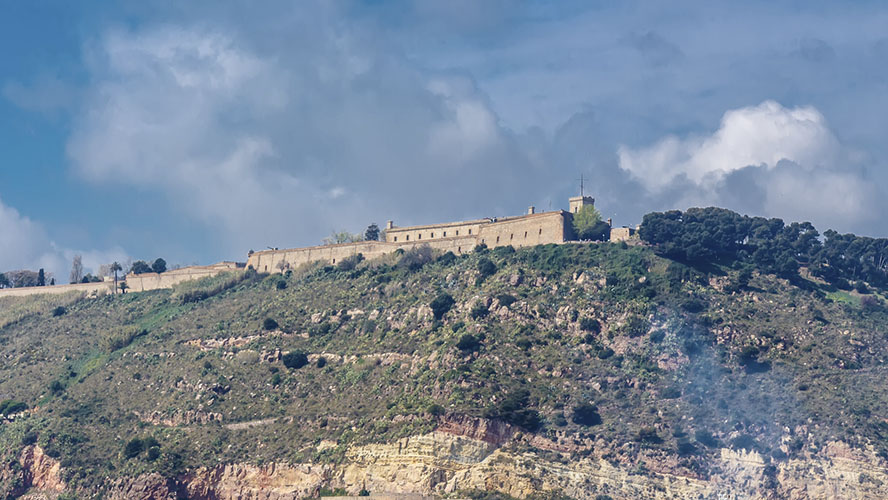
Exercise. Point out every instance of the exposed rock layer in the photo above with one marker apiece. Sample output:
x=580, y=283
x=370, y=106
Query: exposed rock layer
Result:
x=466, y=454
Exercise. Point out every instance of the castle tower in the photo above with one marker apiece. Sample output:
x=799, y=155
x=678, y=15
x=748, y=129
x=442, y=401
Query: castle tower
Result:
x=578, y=202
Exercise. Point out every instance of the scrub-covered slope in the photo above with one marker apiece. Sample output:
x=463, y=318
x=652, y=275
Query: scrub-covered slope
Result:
x=585, y=370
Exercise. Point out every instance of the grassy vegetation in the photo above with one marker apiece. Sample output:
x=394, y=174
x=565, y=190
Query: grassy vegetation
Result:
x=599, y=341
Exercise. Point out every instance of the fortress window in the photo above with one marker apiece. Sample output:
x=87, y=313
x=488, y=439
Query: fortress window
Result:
x=457, y=232
x=512, y=236
x=334, y=261
x=433, y=235
x=470, y=231
x=445, y=234
x=497, y=239
x=458, y=249
x=396, y=238
x=407, y=237
x=541, y=230
x=419, y=237
x=525, y=234
x=266, y=268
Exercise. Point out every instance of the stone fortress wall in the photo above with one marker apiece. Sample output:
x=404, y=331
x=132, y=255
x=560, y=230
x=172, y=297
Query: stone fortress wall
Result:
x=457, y=237
x=100, y=288
x=154, y=281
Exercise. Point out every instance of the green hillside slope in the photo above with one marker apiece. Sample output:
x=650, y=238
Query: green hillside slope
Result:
x=597, y=341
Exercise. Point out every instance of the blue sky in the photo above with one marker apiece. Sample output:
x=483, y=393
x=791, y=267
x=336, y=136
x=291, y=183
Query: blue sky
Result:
x=199, y=130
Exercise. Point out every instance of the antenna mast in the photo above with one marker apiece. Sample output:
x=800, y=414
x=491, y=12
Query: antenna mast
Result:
x=582, y=185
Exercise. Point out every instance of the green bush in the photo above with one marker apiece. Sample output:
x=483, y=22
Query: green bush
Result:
x=294, y=360
x=133, y=448
x=350, y=263
x=11, y=407
x=441, y=304
x=513, y=409
x=586, y=414
x=590, y=325
x=446, y=259
x=486, y=267
x=479, y=310
x=415, y=258
x=322, y=362
x=59, y=311
x=270, y=324
x=468, y=343
x=505, y=299
x=435, y=410
x=706, y=438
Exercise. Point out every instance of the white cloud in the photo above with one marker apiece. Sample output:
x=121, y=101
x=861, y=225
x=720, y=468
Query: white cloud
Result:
x=25, y=244
x=264, y=146
x=756, y=135
x=763, y=159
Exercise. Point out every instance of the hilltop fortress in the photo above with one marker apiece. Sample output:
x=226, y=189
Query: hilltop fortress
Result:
x=530, y=229
x=457, y=237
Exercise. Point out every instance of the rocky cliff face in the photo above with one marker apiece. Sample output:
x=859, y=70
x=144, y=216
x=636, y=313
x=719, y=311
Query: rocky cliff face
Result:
x=471, y=454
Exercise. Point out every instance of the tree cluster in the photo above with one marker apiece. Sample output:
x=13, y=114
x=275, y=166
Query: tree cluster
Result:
x=587, y=225
x=142, y=267
x=701, y=236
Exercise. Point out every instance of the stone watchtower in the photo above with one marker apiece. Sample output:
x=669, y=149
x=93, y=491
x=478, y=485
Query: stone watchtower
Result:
x=578, y=202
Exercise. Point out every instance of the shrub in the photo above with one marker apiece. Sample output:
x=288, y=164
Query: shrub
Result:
x=486, y=267
x=59, y=311
x=294, y=360
x=56, y=387
x=133, y=448
x=505, y=299
x=11, y=407
x=513, y=409
x=657, y=337
x=744, y=442
x=693, y=305
x=468, y=343
x=648, y=435
x=842, y=284
x=684, y=447
x=123, y=337
x=706, y=438
x=435, y=410
x=270, y=324
x=447, y=259
x=415, y=258
x=670, y=393
x=585, y=414
x=869, y=302
x=281, y=284
x=441, y=304
x=351, y=262
x=605, y=353
x=479, y=310
x=590, y=325
x=322, y=362
x=276, y=379
x=153, y=454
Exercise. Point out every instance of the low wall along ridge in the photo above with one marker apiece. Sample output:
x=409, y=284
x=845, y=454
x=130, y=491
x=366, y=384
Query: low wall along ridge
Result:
x=457, y=237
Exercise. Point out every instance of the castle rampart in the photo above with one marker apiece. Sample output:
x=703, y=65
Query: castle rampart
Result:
x=456, y=237
x=100, y=288
x=154, y=281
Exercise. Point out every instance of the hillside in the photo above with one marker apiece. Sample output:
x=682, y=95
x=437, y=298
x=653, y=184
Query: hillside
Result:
x=578, y=370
